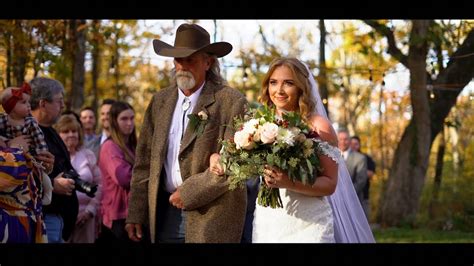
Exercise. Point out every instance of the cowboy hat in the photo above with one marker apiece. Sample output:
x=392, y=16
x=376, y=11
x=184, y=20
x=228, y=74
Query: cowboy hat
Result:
x=191, y=38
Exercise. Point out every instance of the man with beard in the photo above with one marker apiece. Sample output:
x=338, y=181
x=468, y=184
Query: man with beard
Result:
x=172, y=190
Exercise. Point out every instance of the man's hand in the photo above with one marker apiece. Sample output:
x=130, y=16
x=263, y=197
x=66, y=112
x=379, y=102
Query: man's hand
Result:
x=62, y=185
x=134, y=231
x=175, y=200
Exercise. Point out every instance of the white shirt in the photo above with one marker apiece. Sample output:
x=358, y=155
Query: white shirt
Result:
x=178, y=126
x=345, y=154
x=103, y=138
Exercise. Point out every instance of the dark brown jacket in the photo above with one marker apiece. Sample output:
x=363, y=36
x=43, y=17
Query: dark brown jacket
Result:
x=214, y=214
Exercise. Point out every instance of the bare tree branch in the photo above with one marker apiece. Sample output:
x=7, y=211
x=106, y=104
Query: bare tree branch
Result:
x=459, y=71
x=266, y=44
x=392, y=45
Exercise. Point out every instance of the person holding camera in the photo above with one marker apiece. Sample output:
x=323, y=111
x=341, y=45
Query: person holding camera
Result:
x=86, y=177
x=47, y=102
x=116, y=159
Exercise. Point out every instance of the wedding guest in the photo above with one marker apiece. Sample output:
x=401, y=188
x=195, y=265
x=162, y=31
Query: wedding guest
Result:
x=105, y=125
x=17, y=119
x=355, y=145
x=87, y=117
x=104, y=119
x=117, y=156
x=47, y=101
x=355, y=161
x=84, y=162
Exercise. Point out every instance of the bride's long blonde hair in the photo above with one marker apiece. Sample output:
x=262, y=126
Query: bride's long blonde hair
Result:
x=306, y=103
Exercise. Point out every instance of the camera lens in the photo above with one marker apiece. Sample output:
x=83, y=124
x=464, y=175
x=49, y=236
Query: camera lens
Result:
x=80, y=185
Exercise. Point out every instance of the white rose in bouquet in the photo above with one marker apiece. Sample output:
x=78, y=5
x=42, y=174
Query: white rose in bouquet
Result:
x=269, y=133
x=243, y=140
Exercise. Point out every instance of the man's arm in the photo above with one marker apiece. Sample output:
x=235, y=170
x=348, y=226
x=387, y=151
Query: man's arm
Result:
x=361, y=174
x=370, y=167
x=138, y=203
x=203, y=188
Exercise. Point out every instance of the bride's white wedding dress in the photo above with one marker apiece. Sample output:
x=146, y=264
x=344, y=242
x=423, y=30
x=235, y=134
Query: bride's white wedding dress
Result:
x=302, y=219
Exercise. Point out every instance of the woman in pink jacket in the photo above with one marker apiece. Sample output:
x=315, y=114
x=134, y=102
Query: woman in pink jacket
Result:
x=116, y=159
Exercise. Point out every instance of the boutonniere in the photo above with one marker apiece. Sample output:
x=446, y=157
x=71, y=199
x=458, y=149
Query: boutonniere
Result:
x=197, y=122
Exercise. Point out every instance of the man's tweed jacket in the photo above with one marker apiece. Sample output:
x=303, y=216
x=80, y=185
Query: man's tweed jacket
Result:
x=213, y=213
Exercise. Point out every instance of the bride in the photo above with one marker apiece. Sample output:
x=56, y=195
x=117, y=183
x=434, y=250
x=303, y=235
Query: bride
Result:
x=327, y=211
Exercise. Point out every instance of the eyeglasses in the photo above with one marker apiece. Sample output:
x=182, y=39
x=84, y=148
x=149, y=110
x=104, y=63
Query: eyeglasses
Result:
x=58, y=101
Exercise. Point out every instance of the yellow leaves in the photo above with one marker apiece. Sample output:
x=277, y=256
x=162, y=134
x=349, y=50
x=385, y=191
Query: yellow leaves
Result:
x=150, y=35
x=82, y=27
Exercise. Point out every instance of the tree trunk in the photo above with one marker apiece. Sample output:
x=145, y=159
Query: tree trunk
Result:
x=459, y=71
x=20, y=53
x=411, y=156
x=438, y=174
x=9, y=51
x=79, y=52
x=382, y=140
x=63, y=65
x=117, y=73
x=36, y=63
x=322, y=77
x=95, y=64
x=454, y=137
x=407, y=174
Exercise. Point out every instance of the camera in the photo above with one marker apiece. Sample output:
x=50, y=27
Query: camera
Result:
x=80, y=185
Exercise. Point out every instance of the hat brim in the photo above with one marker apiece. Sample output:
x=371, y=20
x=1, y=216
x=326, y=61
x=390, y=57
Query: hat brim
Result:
x=218, y=49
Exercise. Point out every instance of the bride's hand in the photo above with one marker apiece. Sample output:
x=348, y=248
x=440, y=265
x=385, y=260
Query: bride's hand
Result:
x=214, y=165
x=276, y=178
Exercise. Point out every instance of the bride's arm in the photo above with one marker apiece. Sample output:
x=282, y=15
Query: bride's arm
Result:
x=325, y=184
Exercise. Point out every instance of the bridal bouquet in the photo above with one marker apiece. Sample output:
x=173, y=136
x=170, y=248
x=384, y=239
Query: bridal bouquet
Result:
x=262, y=138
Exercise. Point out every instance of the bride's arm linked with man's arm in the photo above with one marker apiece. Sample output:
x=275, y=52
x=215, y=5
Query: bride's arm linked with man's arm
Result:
x=201, y=189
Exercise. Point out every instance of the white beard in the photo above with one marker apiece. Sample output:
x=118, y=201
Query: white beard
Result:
x=185, y=80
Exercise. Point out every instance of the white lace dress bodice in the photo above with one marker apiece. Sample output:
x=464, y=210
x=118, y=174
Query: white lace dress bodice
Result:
x=303, y=219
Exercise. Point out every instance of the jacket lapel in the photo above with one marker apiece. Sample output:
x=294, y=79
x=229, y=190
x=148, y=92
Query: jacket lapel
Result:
x=164, y=112
x=350, y=164
x=205, y=100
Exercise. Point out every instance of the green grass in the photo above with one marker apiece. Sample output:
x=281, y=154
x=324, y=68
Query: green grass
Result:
x=402, y=235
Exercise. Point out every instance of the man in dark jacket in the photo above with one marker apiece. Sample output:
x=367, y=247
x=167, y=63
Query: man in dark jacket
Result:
x=355, y=161
x=355, y=145
x=47, y=101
